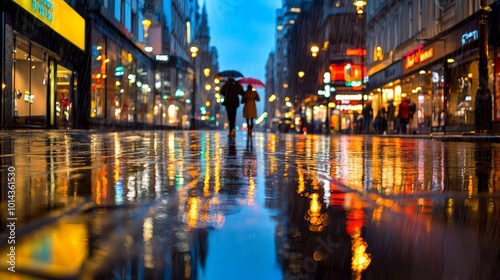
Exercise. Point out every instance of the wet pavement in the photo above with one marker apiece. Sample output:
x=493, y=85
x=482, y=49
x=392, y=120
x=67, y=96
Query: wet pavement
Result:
x=196, y=205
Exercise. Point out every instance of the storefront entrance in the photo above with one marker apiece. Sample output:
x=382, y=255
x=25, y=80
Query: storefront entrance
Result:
x=64, y=94
x=42, y=95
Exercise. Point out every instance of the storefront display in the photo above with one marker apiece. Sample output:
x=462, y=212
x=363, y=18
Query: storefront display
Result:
x=29, y=83
x=40, y=80
x=122, y=89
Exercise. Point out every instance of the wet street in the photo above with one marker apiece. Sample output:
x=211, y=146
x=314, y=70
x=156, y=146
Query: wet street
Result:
x=196, y=205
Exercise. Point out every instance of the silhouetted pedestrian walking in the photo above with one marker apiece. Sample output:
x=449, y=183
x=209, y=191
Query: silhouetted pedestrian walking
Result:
x=230, y=90
x=250, y=108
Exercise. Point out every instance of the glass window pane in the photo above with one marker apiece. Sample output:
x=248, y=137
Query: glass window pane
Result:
x=98, y=99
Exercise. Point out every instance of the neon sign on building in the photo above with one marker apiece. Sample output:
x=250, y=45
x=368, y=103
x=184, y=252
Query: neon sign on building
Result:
x=418, y=56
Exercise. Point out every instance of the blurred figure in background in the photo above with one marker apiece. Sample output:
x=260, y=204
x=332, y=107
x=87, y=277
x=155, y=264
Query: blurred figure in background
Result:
x=367, y=116
x=391, y=116
x=404, y=115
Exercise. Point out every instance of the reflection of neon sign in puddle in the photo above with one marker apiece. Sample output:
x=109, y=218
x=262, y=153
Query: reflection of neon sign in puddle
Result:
x=56, y=251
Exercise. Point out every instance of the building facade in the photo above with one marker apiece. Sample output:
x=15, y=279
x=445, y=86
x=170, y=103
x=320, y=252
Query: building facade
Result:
x=97, y=63
x=428, y=51
x=423, y=50
x=324, y=65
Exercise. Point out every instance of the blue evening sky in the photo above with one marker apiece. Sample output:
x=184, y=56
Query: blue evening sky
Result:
x=243, y=31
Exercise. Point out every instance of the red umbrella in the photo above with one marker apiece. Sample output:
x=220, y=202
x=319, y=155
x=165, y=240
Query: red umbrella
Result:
x=256, y=83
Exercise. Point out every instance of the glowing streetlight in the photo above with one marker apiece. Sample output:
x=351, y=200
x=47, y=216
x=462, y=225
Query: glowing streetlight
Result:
x=314, y=50
x=206, y=72
x=360, y=5
x=194, y=51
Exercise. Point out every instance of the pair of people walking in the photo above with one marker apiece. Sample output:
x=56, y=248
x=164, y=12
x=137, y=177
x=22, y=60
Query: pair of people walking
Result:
x=230, y=90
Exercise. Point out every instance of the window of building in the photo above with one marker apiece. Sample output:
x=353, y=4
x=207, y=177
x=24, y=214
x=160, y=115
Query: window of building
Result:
x=410, y=20
x=118, y=10
x=127, y=16
x=29, y=81
x=420, y=14
x=378, y=53
x=99, y=75
x=395, y=33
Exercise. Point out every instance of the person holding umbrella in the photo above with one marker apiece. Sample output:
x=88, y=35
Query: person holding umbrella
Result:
x=230, y=91
x=250, y=109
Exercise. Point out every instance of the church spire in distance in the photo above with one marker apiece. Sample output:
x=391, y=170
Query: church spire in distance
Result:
x=203, y=34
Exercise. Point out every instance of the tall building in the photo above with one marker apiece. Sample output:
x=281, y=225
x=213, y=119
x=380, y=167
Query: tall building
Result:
x=323, y=59
x=174, y=72
x=209, y=110
x=269, y=95
x=285, y=20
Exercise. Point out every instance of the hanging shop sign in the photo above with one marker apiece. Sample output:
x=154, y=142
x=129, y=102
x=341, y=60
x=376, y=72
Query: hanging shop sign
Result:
x=355, y=52
x=162, y=57
x=119, y=71
x=346, y=73
x=418, y=56
x=468, y=37
x=59, y=16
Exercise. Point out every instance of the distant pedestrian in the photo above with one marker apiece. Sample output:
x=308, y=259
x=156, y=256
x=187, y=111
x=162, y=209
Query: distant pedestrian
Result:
x=391, y=116
x=359, y=123
x=412, y=109
x=230, y=90
x=367, y=116
x=380, y=122
x=404, y=114
x=250, y=109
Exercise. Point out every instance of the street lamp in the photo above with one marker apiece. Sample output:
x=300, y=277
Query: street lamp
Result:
x=206, y=72
x=146, y=23
x=301, y=74
x=194, y=53
x=360, y=6
x=483, y=104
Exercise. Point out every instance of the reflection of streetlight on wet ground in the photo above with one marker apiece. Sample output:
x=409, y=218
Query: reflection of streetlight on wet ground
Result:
x=355, y=220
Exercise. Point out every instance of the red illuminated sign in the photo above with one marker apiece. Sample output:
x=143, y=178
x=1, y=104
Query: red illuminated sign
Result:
x=417, y=56
x=355, y=52
x=346, y=72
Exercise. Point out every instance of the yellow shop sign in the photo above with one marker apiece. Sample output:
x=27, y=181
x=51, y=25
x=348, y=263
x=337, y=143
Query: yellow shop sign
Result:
x=59, y=16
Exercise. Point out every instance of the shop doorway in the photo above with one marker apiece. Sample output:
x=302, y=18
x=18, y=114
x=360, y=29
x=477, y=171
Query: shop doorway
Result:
x=63, y=97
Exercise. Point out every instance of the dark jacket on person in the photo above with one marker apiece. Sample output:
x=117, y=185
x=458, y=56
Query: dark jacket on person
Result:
x=391, y=112
x=367, y=112
x=230, y=90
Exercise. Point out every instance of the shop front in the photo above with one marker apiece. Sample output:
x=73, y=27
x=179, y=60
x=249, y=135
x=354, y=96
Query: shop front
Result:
x=347, y=90
x=494, y=38
x=440, y=75
x=173, y=86
x=122, y=86
x=385, y=87
x=43, y=44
